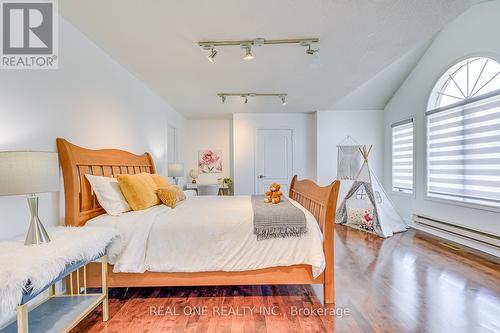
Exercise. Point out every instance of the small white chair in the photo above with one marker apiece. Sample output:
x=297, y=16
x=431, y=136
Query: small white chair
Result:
x=208, y=189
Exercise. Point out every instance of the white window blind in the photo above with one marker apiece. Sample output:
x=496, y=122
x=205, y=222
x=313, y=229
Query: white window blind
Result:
x=402, y=157
x=463, y=151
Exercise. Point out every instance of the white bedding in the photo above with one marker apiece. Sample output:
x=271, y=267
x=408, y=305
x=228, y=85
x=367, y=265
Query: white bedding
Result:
x=206, y=233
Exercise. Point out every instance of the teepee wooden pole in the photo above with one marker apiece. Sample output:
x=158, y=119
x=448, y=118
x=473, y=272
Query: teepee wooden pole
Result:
x=365, y=152
x=361, y=151
x=368, y=152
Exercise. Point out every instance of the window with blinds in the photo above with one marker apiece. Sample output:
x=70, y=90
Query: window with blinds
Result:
x=403, y=157
x=463, y=135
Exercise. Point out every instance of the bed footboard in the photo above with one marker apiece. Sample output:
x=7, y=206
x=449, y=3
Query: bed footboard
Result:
x=322, y=203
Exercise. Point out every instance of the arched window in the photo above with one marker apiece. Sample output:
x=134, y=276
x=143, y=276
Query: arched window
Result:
x=463, y=134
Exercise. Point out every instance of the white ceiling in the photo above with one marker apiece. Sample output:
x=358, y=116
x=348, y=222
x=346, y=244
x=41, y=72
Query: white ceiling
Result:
x=375, y=93
x=157, y=41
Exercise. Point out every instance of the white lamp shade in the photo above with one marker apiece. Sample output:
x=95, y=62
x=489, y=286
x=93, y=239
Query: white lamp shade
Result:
x=193, y=174
x=27, y=172
x=176, y=170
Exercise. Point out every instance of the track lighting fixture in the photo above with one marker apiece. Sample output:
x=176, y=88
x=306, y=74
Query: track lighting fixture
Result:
x=257, y=42
x=212, y=55
x=245, y=96
x=308, y=44
x=283, y=99
x=248, y=53
x=311, y=51
x=212, y=50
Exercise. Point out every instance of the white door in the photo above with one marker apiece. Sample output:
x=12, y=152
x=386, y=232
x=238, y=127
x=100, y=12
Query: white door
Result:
x=274, y=159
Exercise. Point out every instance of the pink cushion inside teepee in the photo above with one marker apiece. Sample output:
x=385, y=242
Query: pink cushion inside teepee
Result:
x=359, y=216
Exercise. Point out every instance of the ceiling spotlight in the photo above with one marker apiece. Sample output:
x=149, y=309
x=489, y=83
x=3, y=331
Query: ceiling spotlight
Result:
x=311, y=51
x=245, y=99
x=223, y=98
x=283, y=99
x=211, y=57
x=248, y=53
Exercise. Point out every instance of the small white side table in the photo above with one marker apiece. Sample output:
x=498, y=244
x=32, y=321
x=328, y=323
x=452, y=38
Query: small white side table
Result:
x=223, y=190
x=61, y=313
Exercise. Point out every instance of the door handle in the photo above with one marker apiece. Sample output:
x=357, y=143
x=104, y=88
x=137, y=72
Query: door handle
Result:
x=262, y=176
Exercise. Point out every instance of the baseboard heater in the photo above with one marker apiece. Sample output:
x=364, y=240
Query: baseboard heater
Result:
x=458, y=230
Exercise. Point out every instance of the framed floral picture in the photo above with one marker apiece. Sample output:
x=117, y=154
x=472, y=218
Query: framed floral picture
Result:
x=210, y=161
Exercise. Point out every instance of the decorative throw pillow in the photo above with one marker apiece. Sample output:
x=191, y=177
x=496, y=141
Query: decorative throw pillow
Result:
x=168, y=196
x=108, y=194
x=179, y=193
x=360, y=216
x=159, y=180
x=139, y=190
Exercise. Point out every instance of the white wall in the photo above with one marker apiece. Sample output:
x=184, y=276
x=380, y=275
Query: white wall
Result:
x=208, y=134
x=364, y=126
x=244, y=128
x=90, y=100
x=473, y=33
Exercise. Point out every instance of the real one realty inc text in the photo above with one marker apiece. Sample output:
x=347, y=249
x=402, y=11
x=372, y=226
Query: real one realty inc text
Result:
x=223, y=310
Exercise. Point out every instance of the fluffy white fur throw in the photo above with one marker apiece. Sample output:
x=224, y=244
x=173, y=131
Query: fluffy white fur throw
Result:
x=43, y=263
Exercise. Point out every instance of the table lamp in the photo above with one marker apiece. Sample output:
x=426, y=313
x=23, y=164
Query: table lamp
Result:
x=30, y=172
x=176, y=170
x=193, y=174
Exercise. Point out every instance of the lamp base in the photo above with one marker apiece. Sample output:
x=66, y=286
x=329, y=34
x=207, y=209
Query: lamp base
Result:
x=36, y=233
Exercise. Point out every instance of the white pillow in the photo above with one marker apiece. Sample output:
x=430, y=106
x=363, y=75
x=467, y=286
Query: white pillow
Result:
x=108, y=194
x=190, y=193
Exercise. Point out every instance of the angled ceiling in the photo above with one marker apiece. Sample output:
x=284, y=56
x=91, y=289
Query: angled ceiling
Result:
x=157, y=42
x=375, y=93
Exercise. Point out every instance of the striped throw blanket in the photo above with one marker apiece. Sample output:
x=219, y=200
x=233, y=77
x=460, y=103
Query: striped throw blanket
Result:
x=281, y=220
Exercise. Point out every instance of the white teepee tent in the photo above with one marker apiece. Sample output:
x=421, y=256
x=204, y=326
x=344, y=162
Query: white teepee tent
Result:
x=366, y=206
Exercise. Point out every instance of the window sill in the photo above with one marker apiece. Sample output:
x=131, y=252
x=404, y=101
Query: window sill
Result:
x=404, y=195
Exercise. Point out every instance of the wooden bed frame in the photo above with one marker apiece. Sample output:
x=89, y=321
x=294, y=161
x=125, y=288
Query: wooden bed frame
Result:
x=82, y=205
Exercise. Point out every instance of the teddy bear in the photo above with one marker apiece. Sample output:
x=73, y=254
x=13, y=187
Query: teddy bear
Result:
x=274, y=187
x=274, y=194
x=268, y=197
x=276, y=197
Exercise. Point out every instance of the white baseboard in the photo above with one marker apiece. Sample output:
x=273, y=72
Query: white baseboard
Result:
x=460, y=240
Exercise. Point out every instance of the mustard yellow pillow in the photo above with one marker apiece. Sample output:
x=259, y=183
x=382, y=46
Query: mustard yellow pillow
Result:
x=159, y=180
x=139, y=190
x=168, y=196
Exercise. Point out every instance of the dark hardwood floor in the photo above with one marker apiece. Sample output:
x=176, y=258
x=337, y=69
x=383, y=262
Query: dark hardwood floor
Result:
x=408, y=283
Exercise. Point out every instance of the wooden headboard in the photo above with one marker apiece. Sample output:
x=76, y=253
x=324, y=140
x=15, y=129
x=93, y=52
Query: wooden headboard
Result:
x=81, y=203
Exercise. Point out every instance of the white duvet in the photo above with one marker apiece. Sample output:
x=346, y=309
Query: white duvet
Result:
x=206, y=233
